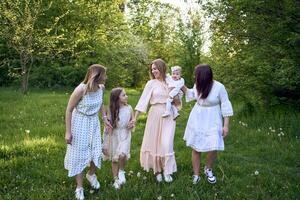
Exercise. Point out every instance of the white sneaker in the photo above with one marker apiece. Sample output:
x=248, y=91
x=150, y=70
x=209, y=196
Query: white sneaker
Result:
x=121, y=176
x=166, y=114
x=159, y=178
x=196, y=179
x=93, y=181
x=117, y=184
x=210, y=176
x=168, y=178
x=79, y=193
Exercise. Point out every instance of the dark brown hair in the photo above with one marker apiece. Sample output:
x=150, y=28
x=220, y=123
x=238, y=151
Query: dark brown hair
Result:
x=161, y=66
x=94, y=76
x=114, y=105
x=203, y=79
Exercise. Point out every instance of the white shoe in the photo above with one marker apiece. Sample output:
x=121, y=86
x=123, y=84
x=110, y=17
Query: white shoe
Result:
x=121, y=176
x=168, y=178
x=210, y=176
x=79, y=193
x=93, y=181
x=159, y=178
x=196, y=179
x=117, y=184
x=166, y=114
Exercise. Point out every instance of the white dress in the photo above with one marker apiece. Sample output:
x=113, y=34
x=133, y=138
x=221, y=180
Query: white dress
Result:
x=204, y=127
x=86, y=136
x=118, y=143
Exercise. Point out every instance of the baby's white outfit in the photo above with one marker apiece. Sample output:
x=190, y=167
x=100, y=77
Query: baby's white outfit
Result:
x=175, y=86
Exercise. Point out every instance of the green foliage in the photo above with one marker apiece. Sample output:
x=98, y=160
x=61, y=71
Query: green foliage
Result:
x=256, y=49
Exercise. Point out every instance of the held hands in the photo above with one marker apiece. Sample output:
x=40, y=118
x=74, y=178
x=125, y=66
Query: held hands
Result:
x=107, y=125
x=68, y=137
x=131, y=124
x=225, y=131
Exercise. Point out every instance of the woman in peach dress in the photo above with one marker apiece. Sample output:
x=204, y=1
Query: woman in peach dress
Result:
x=157, y=148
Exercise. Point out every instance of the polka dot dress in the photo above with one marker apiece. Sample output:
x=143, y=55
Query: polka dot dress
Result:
x=85, y=127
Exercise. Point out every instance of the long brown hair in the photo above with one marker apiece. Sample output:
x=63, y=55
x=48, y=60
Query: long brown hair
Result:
x=95, y=75
x=161, y=66
x=203, y=79
x=114, y=105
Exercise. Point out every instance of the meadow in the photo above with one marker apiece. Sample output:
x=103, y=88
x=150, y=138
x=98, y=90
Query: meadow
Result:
x=261, y=158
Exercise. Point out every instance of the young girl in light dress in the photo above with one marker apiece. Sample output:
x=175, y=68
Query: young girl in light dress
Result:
x=83, y=128
x=116, y=142
x=208, y=122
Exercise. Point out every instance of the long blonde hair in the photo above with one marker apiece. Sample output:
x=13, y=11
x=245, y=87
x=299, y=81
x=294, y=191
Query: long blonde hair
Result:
x=95, y=75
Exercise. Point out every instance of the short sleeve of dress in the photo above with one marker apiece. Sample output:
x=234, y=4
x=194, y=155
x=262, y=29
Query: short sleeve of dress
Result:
x=191, y=94
x=226, y=107
x=144, y=100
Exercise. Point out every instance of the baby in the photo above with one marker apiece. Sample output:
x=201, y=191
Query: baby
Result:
x=175, y=83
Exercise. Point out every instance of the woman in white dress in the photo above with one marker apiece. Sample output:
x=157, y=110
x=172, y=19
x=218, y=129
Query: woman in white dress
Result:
x=83, y=128
x=208, y=122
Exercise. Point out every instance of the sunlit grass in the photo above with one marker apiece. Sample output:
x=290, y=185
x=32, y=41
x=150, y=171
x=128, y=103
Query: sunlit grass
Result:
x=260, y=161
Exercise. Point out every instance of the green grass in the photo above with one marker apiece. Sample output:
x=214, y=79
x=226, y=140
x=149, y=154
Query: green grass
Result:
x=31, y=164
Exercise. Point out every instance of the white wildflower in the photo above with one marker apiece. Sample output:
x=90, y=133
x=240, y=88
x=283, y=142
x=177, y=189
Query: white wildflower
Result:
x=278, y=134
x=172, y=195
x=256, y=173
x=258, y=130
x=159, y=198
x=144, y=177
x=280, y=129
x=27, y=131
x=138, y=174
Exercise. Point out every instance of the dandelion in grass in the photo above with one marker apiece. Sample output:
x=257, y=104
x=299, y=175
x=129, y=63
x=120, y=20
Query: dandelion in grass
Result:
x=159, y=198
x=282, y=133
x=256, y=173
x=138, y=174
x=27, y=131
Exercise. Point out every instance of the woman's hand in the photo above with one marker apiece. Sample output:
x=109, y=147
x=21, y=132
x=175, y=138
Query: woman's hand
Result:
x=225, y=131
x=68, y=137
x=184, y=89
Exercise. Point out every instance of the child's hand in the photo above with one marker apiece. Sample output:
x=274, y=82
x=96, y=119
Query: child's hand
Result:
x=107, y=123
x=105, y=151
x=225, y=131
x=68, y=137
x=131, y=124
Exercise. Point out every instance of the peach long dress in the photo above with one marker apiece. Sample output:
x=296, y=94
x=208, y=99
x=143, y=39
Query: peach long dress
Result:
x=157, y=147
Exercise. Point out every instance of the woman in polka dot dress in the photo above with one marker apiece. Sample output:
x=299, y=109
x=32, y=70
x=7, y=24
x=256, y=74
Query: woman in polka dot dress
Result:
x=83, y=128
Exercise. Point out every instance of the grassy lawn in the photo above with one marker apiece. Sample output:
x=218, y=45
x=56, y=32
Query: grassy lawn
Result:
x=261, y=159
